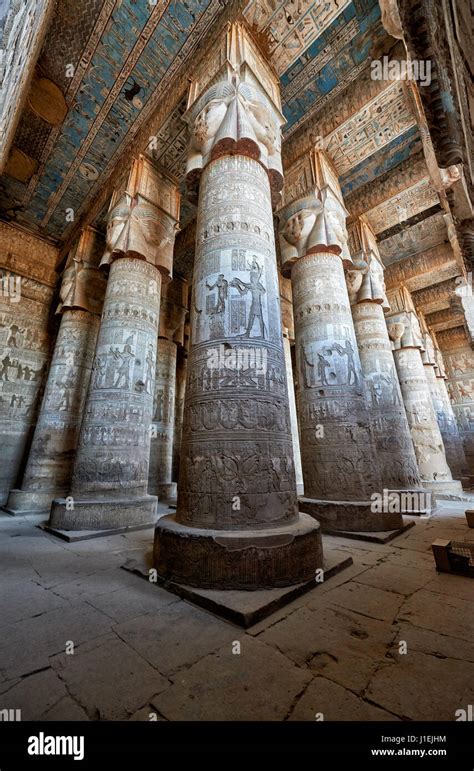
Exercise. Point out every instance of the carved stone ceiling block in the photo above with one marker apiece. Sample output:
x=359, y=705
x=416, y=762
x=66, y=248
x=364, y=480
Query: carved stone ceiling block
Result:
x=402, y=206
x=417, y=238
x=382, y=120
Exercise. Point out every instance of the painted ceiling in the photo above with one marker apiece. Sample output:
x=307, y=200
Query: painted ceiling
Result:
x=125, y=54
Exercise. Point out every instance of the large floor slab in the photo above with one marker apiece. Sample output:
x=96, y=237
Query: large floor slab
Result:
x=387, y=638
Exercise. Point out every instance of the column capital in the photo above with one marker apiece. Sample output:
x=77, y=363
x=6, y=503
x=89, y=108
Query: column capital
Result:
x=83, y=286
x=143, y=217
x=234, y=108
x=365, y=279
x=313, y=216
x=402, y=321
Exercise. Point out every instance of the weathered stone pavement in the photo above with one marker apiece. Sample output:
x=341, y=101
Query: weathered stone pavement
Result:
x=137, y=649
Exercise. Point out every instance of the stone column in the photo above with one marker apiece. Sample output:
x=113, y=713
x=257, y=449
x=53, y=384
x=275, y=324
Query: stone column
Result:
x=49, y=466
x=181, y=368
x=448, y=426
x=295, y=437
x=171, y=331
x=286, y=305
x=404, y=330
x=110, y=477
x=396, y=456
x=458, y=358
x=237, y=524
x=340, y=465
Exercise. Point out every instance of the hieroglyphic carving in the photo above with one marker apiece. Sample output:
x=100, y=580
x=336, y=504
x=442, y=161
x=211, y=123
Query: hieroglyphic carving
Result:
x=49, y=466
x=291, y=26
x=236, y=480
x=459, y=362
x=162, y=426
x=24, y=347
x=379, y=122
x=388, y=421
x=338, y=463
x=236, y=300
x=314, y=247
x=28, y=256
x=434, y=370
x=406, y=334
x=419, y=237
x=424, y=269
x=402, y=206
x=113, y=451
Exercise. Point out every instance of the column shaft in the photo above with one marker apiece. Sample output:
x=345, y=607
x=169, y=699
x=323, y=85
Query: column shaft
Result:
x=293, y=416
x=446, y=421
x=162, y=428
x=390, y=428
x=181, y=367
x=109, y=483
x=428, y=443
x=50, y=461
x=335, y=437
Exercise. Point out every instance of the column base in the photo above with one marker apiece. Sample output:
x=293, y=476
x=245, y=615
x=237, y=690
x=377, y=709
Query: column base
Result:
x=168, y=491
x=248, y=560
x=30, y=501
x=350, y=516
x=102, y=514
x=446, y=490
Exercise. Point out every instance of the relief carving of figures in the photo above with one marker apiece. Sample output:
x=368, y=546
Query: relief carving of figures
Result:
x=113, y=368
x=122, y=367
x=149, y=370
x=328, y=371
x=348, y=350
x=256, y=290
x=222, y=286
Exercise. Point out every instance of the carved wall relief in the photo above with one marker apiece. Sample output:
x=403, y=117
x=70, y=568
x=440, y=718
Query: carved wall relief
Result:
x=24, y=353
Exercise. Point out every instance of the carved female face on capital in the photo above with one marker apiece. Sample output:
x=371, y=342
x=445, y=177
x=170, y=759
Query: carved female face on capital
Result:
x=265, y=131
x=354, y=281
x=150, y=232
x=299, y=226
x=208, y=121
x=116, y=230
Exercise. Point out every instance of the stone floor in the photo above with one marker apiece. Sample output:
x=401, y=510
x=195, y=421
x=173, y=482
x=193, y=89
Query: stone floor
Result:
x=137, y=649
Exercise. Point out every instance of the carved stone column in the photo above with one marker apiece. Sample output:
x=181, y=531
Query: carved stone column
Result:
x=293, y=414
x=181, y=370
x=453, y=443
x=286, y=305
x=49, y=466
x=404, y=330
x=237, y=523
x=458, y=358
x=340, y=465
x=172, y=315
x=389, y=423
x=430, y=363
x=110, y=477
